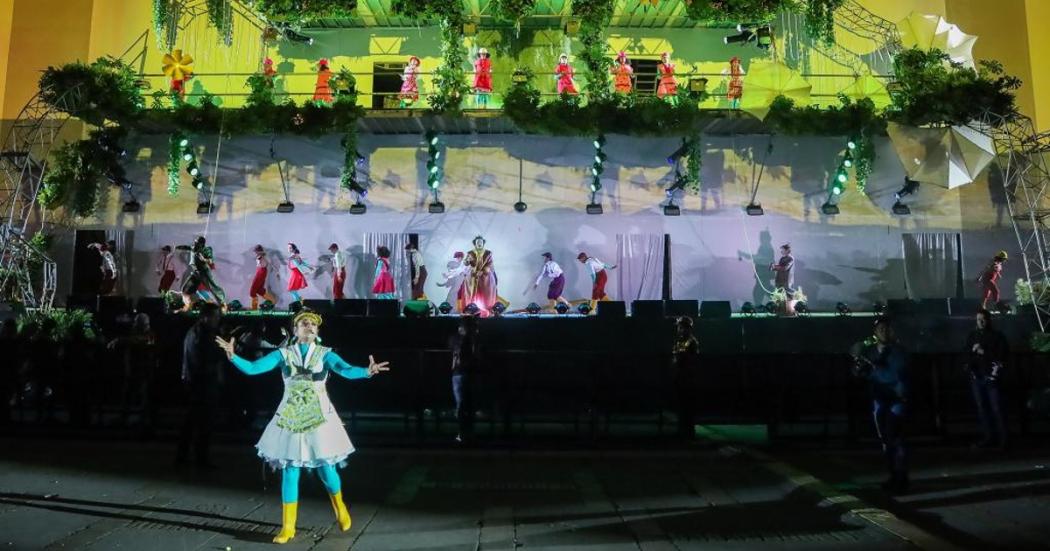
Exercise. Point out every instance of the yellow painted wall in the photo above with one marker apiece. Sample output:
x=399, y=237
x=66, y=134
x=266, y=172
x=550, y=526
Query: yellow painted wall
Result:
x=7, y=10
x=1038, y=14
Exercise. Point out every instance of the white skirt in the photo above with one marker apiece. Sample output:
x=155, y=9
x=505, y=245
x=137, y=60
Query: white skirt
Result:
x=327, y=444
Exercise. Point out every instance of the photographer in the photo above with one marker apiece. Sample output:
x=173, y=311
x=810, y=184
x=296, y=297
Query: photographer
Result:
x=987, y=349
x=884, y=364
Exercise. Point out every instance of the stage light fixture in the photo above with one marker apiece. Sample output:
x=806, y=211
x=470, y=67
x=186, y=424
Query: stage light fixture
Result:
x=842, y=176
x=597, y=168
x=754, y=209
x=596, y=184
x=672, y=209
x=445, y=308
x=520, y=206
x=770, y=307
x=765, y=37
x=801, y=308
x=600, y=157
x=533, y=308
x=829, y=209
x=294, y=36
x=234, y=306
x=743, y=36
x=192, y=169
x=437, y=207
x=499, y=308
x=432, y=137
x=561, y=308
x=584, y=308
x=594, y=208
x=599, y=142
x=843, y=309
x=204, y=208
x=472, y=309
x=198, y=183
x=910, y=187
x=187, y=156
x=358, y=208
x=847, y=161
x=851, y=144
x=900, y=209
x=184, y=143
x=131, y=206
x=286, y=207
x=267, y=306
x=748, y=309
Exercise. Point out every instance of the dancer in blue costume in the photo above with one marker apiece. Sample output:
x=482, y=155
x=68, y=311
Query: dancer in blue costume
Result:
x=306, y=431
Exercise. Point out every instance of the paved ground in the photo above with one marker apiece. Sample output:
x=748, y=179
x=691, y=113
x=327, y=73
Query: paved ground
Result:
x=98, y=495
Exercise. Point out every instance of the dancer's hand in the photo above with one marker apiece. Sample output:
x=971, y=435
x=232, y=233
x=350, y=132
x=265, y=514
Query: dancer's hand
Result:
x=226, y=346
x=374, y=368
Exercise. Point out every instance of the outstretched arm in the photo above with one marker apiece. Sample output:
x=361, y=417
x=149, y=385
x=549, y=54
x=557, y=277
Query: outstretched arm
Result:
x=338, y=365
x=262, y=365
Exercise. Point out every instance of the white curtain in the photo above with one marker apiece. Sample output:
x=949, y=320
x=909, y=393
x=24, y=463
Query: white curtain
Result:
x=931, y=264
x=640, y=267
x=398, y=260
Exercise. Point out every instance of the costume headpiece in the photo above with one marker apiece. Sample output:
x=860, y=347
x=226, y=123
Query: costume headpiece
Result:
x=414, y=58
x=267, y=61
x=459, y=254
x=333, y=246
x=734, y=58
x=548, y=256
x=476, y=237
x=1002, y=255
x=323, y=62
x=581, y=256
x=259, y=249
x=482, y=51
x=786, y=246
x=622, y=55
x=307, y=315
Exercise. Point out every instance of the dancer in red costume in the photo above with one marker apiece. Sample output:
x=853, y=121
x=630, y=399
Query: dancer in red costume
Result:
x=262, y=270
x=736, y=82
x=322, y=90
x=296, y=269
x=410, y=83
x=483, y=78
x=564, y=73
x=622, y=74
x=667, y=90
x=599, y=277
x=166, y=269
x=383, y=286
x=989, y=279
x=338, y=270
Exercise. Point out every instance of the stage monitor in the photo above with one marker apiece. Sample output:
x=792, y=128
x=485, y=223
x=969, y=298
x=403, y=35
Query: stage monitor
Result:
x=676, y=308
x=963, y=306
x=612, y=309
x=350, y=306
x=417, y=309
x=384, y=308
x=716, y=309
x=647, y=309
x=322, y=306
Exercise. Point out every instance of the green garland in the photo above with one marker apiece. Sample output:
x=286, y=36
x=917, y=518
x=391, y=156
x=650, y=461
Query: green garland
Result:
x=174, y=163
x=220, y=15
x=864, y=160
x=297, y=12
x=107, y=89
x=261, y=91
x=734, y=11
x=78, y=170
x=595, y=16
x=694, y=162
x=63, y=324
x=163, y=24
x=450, y=80
x=820, y=19
x=514, y=10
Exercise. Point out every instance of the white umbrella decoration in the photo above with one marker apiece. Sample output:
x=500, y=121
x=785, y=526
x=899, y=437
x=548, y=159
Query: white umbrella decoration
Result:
x=944, y=156
x=927, y=32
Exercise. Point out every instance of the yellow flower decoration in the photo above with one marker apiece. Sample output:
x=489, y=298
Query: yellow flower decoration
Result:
x=177, y=65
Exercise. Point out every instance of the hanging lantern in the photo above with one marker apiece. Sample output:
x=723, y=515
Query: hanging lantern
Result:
x=177, y=65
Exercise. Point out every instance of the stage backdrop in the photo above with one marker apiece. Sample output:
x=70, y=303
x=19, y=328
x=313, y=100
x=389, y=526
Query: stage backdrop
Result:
x=718, y=252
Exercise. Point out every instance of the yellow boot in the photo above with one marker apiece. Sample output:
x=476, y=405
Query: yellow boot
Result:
x=287, y=532
x=342, y=516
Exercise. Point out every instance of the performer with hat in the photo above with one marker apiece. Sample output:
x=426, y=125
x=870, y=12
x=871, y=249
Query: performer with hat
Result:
x=482, y=280
x=551, y=270
x=736, y=82
x=622, y=74
x=338, y=270
x=455, y=275
x=306, y=432
x=410, y=83
x=989, y=279
x=563, y=74
x=322, y=89
x=418, y=271
x=667, y=89
x=202, y=262
x=482, y=78
x=599, y=277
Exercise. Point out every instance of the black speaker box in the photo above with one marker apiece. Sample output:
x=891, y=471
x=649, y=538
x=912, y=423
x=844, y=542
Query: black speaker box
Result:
x=612, y=309
x=322, y=306
x=82, y=302
x=963, y=306
x=151, y=306
x=111, y=308
x=716, y=309
x=384, y=308
x=350, y=306
x=647, y=309
x=675, y=308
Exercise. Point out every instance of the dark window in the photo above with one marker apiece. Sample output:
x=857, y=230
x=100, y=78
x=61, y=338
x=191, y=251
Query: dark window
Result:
x=386, y=84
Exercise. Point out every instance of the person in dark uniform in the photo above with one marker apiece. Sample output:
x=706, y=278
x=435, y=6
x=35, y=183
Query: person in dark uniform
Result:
x=202, y=364
x=466, y=358
x=988, y=349
x=884, y=364
x=685, y=361
x=202, y=262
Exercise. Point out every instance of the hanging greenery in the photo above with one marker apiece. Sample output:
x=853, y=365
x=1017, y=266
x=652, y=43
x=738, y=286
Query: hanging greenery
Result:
x=107, y=89
x=514, y=10
x=864, y=160
x=260, y=90
x=303, y=11
x=930, y=89
x=820, y=19
x=734, y=11
x=694, y=162
x=220, y=15
x=595, y=16
x=78, y=170
x=163, y=24
x=175, y=162
x=848, y=118
x=449, y=81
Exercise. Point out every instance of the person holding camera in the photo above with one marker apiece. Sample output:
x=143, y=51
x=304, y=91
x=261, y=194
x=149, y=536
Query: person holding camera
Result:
x=987, y=349
x=884, y=364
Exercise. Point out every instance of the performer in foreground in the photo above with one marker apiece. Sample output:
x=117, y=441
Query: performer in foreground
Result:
x=418, y=271
x=262, y=271
x=166, y=269
x=383, y=285
x=667, y=89
x=297, y=269
x=564, y=73
x=599, y=277
x=551, y=270
x=455, y=275
x=306, y=432
x=202, y=262
x=338, y=270
x=482, y=281
x=989, y=279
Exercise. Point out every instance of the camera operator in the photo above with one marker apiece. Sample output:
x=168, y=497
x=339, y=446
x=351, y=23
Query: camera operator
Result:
x=987, y=349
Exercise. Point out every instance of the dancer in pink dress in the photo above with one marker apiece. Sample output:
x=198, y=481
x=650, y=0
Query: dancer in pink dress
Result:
x=410, y=83
x=667, y=89
x=296, y=270
x=383, y=287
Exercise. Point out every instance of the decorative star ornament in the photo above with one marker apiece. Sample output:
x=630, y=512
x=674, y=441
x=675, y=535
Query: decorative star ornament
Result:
x=177, y=65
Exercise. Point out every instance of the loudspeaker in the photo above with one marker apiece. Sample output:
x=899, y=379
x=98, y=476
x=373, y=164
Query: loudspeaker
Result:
x=350, y=306
x=151, y=306
x=384, y=308
x=896, y=307
x=963, y=306
x=322, y=306
x=716, y=309
x=417, y=309
x=612, y=309
x=82, y=302
x=933, y=306
x=647, y=309
x=675, y=308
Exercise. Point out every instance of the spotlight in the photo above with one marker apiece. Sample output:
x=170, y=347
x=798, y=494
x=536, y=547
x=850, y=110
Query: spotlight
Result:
x=852, y=143
x=596, y=184
x=672, y=209
x=829, y=208
x=599, y=142
x=765, y=37
x=561, y=308
x=597, y=168
x=192, y=169
x=431, y=137
x=754, y=210
x=843, y=309
x=445, y=308
x=801, y=308
x=743, y=36
x=437, y=207
x=297, y=37
x=847, y=161
x=131, y=206
x=286, y=207
x=594, y=208
x=205, y=208
x=910, y=187
x=472, y=309
x=235, y=306
x=584, y=308
x=533, y=308
x=748, y=309
x=900, y=209
x=770, y=307
x=842, y=176
x=198, y=183
x=358, y=208
x=267, y=306
x=185, y=142
x=499, y=308
x=520, y=206
x=187, y=156
x=600, y=157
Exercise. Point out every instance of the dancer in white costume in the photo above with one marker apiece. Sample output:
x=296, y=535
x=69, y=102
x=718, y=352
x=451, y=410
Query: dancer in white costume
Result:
x=306, y=431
